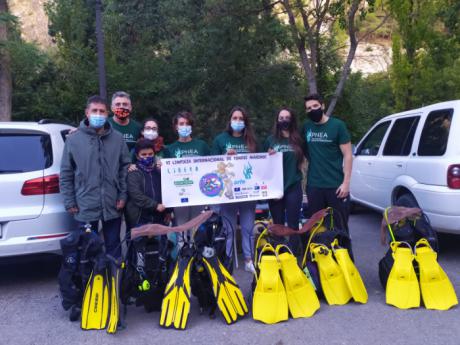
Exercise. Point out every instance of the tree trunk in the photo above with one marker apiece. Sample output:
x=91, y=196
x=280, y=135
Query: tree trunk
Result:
x=300, y=43
x=351, y=55
x=100, y=51
x=6, y=85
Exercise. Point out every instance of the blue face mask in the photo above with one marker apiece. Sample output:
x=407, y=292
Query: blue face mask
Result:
x=147, y=161
x=184, y=131
x=146, y=164
x=97, y=121
x=237, y=126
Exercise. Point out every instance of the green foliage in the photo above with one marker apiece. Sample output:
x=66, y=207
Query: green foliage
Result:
x=365, y=100
x=425, y=52
x=209, y=55
x=203, y=56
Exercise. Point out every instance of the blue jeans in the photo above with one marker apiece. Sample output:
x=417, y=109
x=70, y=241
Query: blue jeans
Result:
x=287, y=209
x=111, y=230
x=246, y=211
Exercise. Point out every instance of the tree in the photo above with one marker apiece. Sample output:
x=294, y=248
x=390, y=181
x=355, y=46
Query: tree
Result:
x=415, y=21
x=312, y=23
x=6, y=85
x=426, y=50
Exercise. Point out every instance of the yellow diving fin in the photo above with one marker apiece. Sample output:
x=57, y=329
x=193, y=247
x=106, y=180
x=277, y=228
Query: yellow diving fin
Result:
x=402, y=289
x=352, y=277
x=96, y=301
x=301, y=295
x=176, y=302
x=333, y=283
x=114, y=313
x=437, y=290
x=269, y=303
x=228, y=295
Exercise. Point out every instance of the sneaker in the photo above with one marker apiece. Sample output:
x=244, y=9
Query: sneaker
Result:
x=249, y=267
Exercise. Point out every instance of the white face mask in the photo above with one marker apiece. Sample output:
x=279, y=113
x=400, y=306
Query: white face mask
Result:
x=150, y=134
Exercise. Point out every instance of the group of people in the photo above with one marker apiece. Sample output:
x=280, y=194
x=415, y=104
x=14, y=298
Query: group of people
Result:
x=110, y=166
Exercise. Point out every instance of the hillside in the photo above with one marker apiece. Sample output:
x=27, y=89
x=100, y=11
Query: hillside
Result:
x=33, y=20
x=371, y=57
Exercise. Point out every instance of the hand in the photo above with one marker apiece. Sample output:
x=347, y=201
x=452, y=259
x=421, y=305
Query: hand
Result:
x=343, y=190
x=231, y=152
x=72, y=130
x=132, y=167
x=161, y=207
x=167, y=218
x=73, y=210
x=120, y=204
x=158, y=164
x=271, y=151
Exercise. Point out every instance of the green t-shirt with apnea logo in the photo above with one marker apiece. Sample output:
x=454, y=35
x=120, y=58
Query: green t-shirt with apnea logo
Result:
x=224, y=141
x=193, y=148
x=325, y=168
x=130, y=132
x=291, y=171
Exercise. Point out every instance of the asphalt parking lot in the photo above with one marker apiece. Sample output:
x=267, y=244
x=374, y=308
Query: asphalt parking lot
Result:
x=31, y=313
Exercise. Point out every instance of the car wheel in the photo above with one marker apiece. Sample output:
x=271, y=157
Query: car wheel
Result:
x=406, y=200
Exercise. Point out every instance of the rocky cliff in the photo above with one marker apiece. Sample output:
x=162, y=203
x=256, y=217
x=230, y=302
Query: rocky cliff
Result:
x=33, y=20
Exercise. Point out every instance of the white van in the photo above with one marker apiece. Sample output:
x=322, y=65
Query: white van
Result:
x=412, y=159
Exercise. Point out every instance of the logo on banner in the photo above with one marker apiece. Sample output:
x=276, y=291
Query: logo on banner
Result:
x=184, y=200
x=211, y=185
x=247, y=171
x=186, y=181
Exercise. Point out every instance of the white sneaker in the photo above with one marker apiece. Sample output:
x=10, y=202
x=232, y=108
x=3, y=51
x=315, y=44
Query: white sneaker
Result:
x=249, y=267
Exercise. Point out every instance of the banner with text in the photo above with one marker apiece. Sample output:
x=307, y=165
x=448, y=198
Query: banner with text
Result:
x=221, y=179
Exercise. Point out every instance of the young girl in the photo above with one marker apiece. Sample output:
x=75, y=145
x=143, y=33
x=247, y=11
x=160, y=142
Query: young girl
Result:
x=185, y=146
x=286, y=139
x=238, y=138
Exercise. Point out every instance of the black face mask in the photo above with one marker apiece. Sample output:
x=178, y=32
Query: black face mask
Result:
x=315, y=115
x=284, y=125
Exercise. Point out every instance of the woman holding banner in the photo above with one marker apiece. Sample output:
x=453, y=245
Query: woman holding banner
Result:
x=286, y=139
x=238, y=138
x=185, y=146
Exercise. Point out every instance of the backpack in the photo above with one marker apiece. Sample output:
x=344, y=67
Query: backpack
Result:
x=327, y=229
x=148, y=267
x=79, y=251
x=408, y=225
x=211, y=235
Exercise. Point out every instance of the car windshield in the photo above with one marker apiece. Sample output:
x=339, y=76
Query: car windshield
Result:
x=24, y=152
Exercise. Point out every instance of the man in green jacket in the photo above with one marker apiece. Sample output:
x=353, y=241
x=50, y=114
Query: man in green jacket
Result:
x=93, y=174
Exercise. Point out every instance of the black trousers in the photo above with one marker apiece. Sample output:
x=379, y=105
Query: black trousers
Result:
x=319, y=198
x=287, y=209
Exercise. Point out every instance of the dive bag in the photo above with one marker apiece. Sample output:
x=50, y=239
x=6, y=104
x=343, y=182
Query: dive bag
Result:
x=404, y=225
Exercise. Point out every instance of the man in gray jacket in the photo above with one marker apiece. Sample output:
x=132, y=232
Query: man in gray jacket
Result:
x=93, y=175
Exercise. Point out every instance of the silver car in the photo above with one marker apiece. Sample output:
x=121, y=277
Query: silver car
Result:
x=32, y=215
